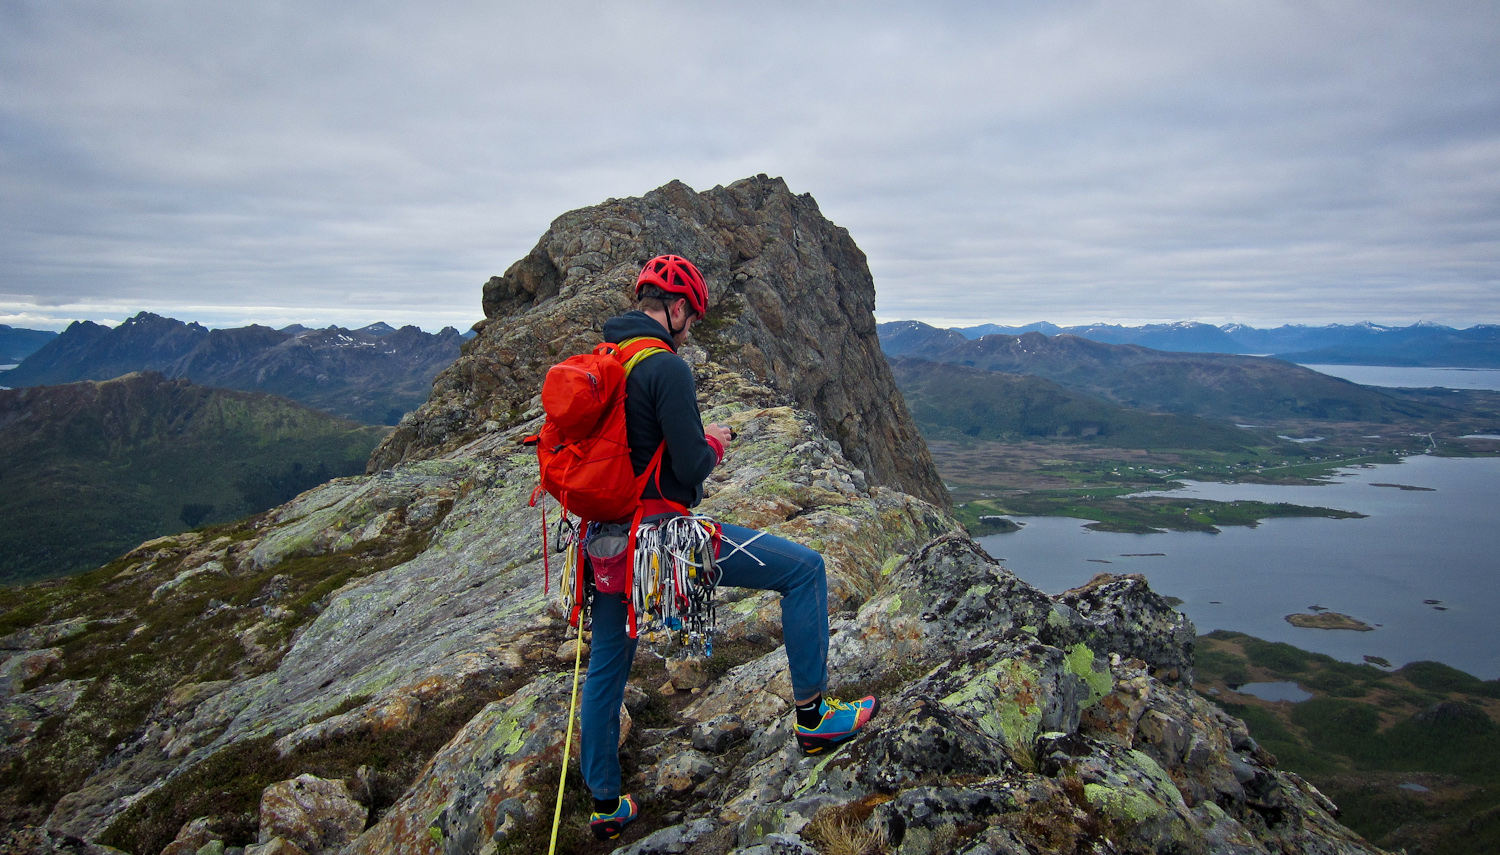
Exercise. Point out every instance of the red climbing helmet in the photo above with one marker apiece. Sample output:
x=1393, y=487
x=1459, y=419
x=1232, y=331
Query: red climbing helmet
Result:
x=675, y=274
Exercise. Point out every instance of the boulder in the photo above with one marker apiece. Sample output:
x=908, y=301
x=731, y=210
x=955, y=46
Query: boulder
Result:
x=778, y=844
x=678, y=774
x=718, y=733
x=315, y=814
x=276, y=846
x=193, y=836
x=687, y=673
x=673, y=840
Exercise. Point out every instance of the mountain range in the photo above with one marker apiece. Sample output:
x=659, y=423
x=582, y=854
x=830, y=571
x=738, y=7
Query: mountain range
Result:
x=1215, y=385
x=1420, y=344
x=955, y=401
x=17, y=344
x=371, y=375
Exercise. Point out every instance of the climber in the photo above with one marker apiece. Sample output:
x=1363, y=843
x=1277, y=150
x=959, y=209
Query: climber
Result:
x=662, y=406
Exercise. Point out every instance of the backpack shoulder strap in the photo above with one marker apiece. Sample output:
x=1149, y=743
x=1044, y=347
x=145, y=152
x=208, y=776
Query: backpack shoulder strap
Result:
x=632, y=351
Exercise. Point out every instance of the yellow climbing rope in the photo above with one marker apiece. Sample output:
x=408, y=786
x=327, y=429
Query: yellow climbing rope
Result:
x=567, y=744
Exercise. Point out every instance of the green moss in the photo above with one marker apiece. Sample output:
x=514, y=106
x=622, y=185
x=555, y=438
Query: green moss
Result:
x=1149, y=768
x=891, y=563
x=509, y=734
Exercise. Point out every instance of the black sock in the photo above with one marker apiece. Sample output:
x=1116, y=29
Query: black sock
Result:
x=607, y=806
x=809, y=715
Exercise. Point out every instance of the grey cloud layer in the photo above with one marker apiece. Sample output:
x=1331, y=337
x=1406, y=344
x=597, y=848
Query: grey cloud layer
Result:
x=1069, y=161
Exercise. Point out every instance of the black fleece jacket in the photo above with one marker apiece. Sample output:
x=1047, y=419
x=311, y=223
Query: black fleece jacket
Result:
x=661, y=403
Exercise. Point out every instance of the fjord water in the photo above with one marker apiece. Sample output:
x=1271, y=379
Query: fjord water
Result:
x=1414, y=378
x=1442, y=544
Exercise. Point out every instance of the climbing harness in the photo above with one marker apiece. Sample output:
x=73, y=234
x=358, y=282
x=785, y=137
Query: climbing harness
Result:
x=670, y=584
x=673, y=579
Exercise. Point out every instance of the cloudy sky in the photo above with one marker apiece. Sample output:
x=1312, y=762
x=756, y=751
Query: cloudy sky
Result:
x=332, y=162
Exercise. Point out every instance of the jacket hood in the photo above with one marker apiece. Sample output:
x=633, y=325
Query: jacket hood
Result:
x=634, y=325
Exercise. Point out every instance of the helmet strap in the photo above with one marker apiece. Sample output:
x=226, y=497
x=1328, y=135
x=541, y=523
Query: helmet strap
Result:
x=676, y=332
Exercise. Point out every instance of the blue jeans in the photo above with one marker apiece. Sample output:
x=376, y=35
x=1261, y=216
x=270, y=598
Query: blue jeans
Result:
x=767, y=563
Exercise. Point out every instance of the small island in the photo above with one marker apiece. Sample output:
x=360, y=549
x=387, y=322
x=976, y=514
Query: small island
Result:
x=1407, y=487
x=1329, y=620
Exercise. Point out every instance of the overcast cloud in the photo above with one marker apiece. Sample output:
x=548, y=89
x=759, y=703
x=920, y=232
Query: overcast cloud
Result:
x=332, y=162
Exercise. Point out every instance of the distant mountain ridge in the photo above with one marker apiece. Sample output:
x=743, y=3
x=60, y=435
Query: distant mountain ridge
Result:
x=371, y=375
x=955, y=401
x=1421, y=344
x=1205, y=384
x=17, y=344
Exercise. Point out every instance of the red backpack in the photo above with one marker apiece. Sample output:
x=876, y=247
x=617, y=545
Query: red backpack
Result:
x=582, y=447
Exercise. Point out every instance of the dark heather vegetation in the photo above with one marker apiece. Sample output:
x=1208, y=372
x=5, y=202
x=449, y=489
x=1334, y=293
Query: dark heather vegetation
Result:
x=92, y=469
x=141, y=639
x=381, y=766
x=1369, y=730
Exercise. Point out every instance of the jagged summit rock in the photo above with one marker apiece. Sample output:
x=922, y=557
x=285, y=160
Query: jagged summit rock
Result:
x=792, y=307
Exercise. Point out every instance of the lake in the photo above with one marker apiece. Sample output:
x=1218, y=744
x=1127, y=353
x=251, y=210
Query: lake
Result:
x=1440, y=544
x=1414, y=378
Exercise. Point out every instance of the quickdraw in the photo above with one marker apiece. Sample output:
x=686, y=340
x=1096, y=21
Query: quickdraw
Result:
x=674, y=577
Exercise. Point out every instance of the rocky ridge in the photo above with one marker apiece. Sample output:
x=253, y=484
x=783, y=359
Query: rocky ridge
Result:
x=373, y=612
x=792, y=304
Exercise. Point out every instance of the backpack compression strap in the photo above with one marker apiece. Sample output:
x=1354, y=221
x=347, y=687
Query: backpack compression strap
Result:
x=631, y=352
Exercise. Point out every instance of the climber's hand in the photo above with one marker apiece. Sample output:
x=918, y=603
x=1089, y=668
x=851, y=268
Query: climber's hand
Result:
x=723, y=434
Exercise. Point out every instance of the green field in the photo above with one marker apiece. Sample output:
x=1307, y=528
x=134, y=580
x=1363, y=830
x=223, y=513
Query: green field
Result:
x=1368, y=731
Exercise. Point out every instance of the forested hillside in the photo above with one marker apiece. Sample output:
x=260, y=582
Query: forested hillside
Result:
x=91, y=469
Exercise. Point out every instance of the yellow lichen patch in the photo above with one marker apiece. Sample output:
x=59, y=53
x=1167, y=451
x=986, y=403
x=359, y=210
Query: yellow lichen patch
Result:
x=1004, y=699
x=1080, y=662
x=1124, y=803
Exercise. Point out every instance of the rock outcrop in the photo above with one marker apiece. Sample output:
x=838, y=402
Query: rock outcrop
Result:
x=792, y=307
x=388, y=643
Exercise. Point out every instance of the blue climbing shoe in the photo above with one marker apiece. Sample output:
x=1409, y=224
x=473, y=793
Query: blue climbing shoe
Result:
x=841, y=722
x=607, y=826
